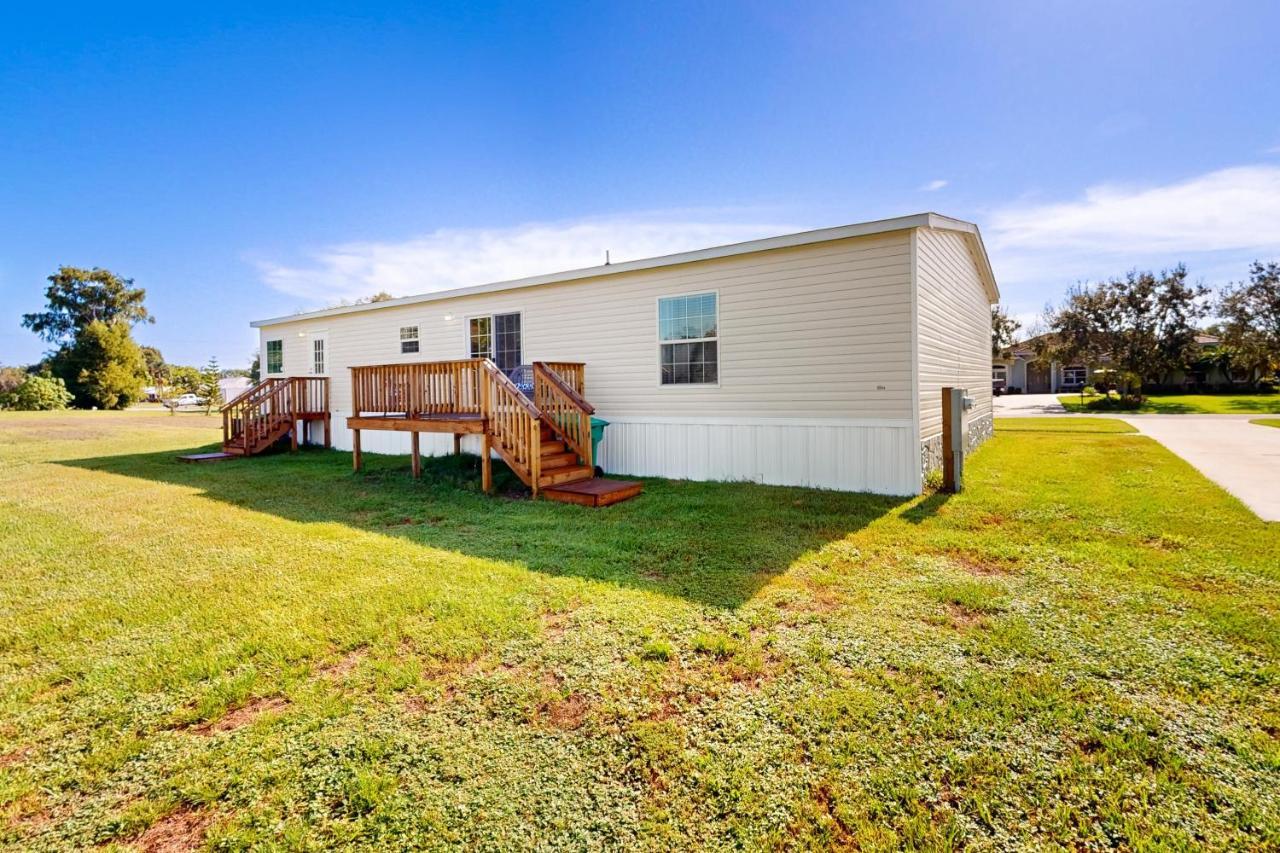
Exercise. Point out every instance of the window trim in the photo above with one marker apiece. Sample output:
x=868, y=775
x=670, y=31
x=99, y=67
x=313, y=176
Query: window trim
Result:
x=466, y=332
x=401, y=341
x=657, y=334
x=266, y=357
x=1004, y=371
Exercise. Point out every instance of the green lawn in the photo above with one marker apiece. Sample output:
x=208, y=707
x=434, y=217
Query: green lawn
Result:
x=1081, y=650
x=1179, y=404
x=1271, y=422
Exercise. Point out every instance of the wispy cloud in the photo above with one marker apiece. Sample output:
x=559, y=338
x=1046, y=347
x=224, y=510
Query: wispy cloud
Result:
x=934, y=186
x=1114, y=227
x=458, y=257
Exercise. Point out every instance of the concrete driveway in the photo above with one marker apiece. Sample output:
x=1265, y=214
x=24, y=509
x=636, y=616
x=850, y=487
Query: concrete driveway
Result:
x=1027, y=405
x=1241, y=457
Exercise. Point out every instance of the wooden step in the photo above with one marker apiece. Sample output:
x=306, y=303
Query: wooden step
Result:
x=558, y=460
x=567, y=474
x=207, y=457
x=550, y=447
x=598, y=491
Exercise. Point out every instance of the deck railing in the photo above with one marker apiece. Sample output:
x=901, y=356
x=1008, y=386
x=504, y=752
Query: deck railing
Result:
x=574, y=374
x=417, y=389
x=563, y=409
x=249, y=418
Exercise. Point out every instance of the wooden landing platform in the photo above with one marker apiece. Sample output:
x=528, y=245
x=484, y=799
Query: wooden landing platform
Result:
x=208, y=457
x=597, y=491
x=454, y=422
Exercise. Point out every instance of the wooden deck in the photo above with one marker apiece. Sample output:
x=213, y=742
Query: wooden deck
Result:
x=545, y=441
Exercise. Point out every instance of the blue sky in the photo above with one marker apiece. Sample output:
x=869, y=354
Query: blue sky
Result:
x=242, y=163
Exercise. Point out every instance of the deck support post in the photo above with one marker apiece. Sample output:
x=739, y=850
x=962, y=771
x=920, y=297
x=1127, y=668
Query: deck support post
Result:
x=457, y=444
x=293, y=435
x=416, y=453
x=328, y=438
x=486, y=464
x=355, y=450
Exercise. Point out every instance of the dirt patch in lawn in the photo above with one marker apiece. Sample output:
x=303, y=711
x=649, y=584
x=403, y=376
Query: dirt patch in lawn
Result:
x=566, y=713
x=980, y=565
x=242, y=716
x=14, y=756
x=342, y=667
x=965, y=617
x=179, y=830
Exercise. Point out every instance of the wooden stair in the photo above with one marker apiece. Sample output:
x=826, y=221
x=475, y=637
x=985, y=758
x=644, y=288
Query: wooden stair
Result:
x=564, y=471
x=273, y=430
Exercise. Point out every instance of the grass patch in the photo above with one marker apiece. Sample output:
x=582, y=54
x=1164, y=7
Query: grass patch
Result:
x=1081, y=649
x=1051, y=424
x=1177, y=404
x=1269, y=422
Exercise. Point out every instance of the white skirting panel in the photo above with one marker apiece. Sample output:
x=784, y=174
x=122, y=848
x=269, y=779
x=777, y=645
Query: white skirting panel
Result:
x=849, y=455
x=852, y=455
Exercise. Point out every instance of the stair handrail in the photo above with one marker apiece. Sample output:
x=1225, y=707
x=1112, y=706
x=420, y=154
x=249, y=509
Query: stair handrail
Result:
x=574, y=374
x=564, y=410
x=513, y=424
x=258, y=410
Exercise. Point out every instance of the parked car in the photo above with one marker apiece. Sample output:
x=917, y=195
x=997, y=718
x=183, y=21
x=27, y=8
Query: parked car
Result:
x=187, y=399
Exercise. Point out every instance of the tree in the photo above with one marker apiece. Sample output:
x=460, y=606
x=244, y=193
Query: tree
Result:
x=36, y=393
x=108, y=367
x=10, y=379
x=1250, y=327
x=209, y=389
x=157, y=370
x=255, y=370
x=1145, y=324
x=1003, y=328
x=77, y=297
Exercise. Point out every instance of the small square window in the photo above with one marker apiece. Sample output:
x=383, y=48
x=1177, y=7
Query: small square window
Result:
x=408, y=339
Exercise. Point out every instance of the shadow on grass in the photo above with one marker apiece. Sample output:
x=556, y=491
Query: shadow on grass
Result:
x=714, y=544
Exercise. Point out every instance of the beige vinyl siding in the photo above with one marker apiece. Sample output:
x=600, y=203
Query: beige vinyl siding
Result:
x=953, y=326
x=815, y=331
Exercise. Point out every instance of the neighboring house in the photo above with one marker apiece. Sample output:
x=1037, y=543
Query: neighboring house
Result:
x=1021, y=370
x=233, y=386
x=812, y=359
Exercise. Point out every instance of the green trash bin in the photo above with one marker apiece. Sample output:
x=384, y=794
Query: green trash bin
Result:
x=597, y=435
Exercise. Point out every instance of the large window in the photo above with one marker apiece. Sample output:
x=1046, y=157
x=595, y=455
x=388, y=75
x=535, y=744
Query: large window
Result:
x=275, y=356
x=1073, y=377
x=408, y=339
x=496, y=336
x=688, y=351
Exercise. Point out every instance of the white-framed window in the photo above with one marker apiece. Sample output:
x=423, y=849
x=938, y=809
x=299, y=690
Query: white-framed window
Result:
x=999, y=373
x=688, y=339
x=275, y=356
x=319, y=354
x=1074, y=376
x=498, y=337
x=409, y=339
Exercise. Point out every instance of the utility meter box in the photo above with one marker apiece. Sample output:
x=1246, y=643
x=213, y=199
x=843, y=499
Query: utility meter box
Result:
x=956, y=402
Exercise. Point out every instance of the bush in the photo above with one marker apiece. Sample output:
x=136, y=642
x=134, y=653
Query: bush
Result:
x=37, y=394
x=1089, y=391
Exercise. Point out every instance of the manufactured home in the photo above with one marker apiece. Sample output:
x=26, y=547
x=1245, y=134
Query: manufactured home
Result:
x=813, y=359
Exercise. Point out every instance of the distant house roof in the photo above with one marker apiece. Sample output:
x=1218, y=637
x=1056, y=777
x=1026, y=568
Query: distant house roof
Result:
x=1027, y=348
x=803, y=238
